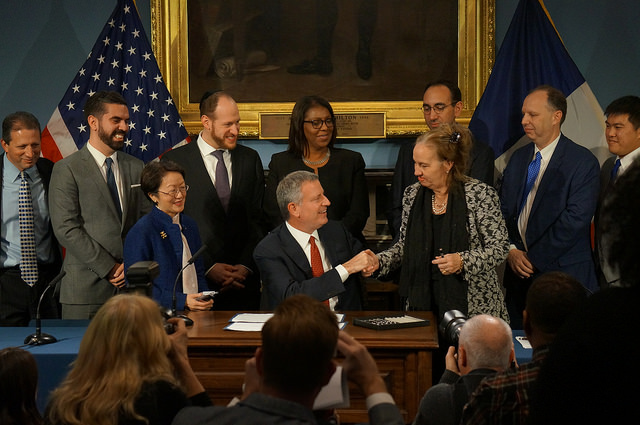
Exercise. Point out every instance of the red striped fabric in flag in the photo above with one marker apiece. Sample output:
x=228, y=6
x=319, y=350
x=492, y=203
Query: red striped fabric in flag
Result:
x=121, y=60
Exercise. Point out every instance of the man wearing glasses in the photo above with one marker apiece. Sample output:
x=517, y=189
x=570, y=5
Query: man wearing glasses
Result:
x=441, y=103
x=225, y=200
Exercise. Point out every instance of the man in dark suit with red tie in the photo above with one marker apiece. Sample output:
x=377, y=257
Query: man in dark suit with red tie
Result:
x=308, y=253
x=227, y=186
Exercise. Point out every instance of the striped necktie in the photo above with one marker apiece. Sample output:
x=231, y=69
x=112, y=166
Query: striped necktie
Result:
x=29, y=261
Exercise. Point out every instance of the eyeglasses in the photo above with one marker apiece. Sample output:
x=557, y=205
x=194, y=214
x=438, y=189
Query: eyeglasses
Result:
x=183, y=191
x=318, y=123
x=438, y=107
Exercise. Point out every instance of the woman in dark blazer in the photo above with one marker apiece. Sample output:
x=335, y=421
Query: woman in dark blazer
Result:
x=312, y=135
x=163, y=234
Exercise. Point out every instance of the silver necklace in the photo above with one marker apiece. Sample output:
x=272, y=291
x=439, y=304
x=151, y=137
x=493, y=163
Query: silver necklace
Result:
x=437, y=209
x=319, y=162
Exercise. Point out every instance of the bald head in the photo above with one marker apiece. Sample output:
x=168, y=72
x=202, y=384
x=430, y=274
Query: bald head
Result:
x=487, y=343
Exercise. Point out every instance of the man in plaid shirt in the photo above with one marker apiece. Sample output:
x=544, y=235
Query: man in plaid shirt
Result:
x=504, y=398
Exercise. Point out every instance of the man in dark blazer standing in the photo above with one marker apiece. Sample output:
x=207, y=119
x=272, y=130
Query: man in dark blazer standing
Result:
x=623, y=138
x=95, y=200
x=548, y=197
x=21, y=157
x=441, y=104
x=226, y=183
x=286, y=258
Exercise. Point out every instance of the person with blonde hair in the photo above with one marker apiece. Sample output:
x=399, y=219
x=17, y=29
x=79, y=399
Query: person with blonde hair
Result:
x=128, y=370
x=452, y=235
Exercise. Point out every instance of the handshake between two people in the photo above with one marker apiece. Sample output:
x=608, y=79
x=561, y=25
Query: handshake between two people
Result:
x=365, y=262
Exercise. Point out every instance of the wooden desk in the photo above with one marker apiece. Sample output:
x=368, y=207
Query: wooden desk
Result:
x=403, y=357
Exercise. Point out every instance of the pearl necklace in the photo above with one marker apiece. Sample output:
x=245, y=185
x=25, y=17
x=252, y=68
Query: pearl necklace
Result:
x=437, y=209
x=319, y=162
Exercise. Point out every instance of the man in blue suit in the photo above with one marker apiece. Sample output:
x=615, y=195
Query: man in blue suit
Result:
x=548, y=197
x=309, y=254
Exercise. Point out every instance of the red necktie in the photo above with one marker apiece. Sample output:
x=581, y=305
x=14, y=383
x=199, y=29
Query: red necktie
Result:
x=316, y=262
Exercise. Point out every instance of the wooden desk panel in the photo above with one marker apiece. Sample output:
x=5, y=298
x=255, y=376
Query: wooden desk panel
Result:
x=403, y=357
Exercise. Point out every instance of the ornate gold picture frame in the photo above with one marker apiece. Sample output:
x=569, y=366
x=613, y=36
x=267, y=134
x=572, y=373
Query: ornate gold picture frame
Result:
x=475, y=30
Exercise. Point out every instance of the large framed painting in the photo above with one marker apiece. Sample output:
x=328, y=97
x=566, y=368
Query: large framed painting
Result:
x=369, y=58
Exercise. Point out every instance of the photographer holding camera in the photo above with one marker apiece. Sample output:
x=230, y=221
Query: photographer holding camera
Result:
x=485, y=346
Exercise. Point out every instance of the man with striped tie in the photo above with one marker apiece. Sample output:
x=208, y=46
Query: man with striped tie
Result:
x=548, y=197
x=29, y=253
x=623, y=138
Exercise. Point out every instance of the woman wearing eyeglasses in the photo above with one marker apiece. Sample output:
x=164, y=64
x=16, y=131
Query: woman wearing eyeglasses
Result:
x=452, y=235
x=312, y=135
x=168, y=237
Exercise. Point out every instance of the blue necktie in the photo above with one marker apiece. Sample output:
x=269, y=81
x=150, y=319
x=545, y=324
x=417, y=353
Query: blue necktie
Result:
x=614, y=170
x=223, y=188
x=532, y=175
x=29, y=261
x=113, y=189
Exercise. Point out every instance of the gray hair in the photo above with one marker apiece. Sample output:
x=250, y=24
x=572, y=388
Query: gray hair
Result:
x=487, y=340
x=290, y=190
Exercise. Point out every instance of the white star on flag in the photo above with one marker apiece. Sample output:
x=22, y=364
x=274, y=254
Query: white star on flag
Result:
x=114, y=64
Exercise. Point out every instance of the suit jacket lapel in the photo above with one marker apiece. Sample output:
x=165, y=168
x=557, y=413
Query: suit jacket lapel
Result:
x=293, y=250
x=95, y=175
x=125, y=179
x=199, y=173
x=550, y=174
x=329, y=250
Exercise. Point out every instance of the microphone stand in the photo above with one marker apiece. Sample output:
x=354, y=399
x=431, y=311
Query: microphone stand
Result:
x=174, y=301
x=39, y=338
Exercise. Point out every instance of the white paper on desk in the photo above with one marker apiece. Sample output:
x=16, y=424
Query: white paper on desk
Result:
x=335, y=394
x=524, y=342
x=256, y=326
x=251, y=317
x=263, y=317
x=244, y=327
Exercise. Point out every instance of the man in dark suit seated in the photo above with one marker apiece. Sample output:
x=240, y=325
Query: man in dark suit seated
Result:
x=295, y=361
x=308, y=253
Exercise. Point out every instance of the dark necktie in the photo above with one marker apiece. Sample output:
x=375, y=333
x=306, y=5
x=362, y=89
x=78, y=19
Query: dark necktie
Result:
x=113, y=189
x=317, y=269
x=532, y=174
x=614, y=170
x=222, y=180
x=29, y=260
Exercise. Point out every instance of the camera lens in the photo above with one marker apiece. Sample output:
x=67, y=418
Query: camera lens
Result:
x=452, y=322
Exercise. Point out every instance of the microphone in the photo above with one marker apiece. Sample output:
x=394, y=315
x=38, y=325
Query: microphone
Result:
x=174, y=300
x=39, y=338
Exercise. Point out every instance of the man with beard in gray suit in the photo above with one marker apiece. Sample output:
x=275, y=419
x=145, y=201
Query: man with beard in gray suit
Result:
x=94, y=201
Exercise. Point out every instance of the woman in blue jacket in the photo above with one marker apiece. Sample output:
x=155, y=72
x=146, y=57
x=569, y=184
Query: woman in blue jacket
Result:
x=168, y=237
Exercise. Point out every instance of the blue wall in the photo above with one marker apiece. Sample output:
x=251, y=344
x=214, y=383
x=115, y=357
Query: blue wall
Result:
x=44, y=42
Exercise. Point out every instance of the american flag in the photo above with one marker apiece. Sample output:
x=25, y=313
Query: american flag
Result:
x=121, y=60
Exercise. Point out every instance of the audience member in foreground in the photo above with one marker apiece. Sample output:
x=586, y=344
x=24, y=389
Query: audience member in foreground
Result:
x=591, y=374
x=128, y=370
x=485, y=347
x=295, y=361
x=505, y=397
x=18, y=385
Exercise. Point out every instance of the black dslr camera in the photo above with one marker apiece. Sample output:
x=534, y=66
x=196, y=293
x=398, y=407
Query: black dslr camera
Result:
x=450, y=326
x=139, y=280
